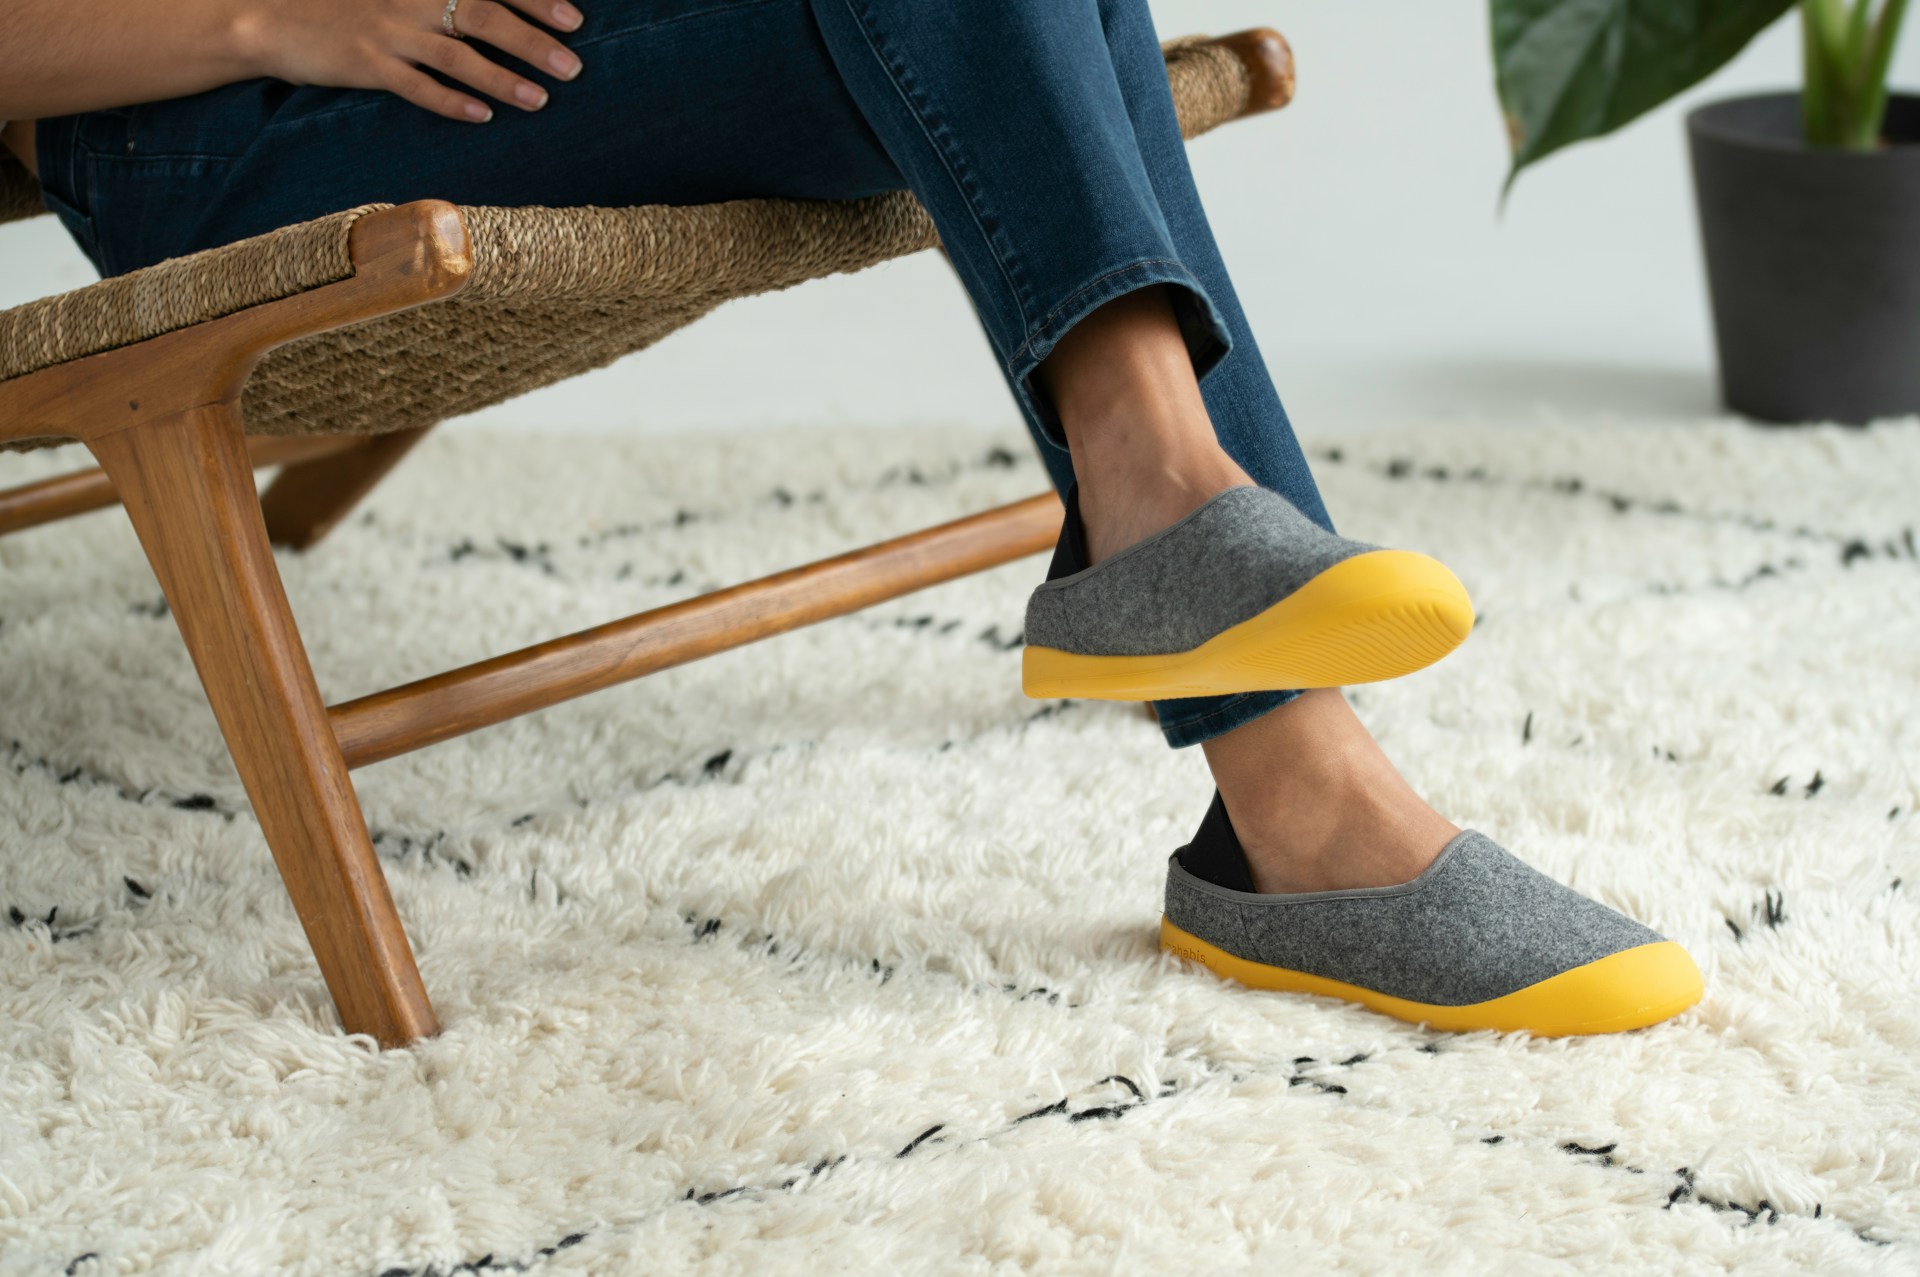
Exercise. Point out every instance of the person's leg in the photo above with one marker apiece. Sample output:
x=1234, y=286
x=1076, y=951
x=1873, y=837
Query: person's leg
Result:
x=1043, y=140
x=1315, y=800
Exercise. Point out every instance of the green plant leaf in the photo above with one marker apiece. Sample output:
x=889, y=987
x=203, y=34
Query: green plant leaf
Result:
x=1568, y=70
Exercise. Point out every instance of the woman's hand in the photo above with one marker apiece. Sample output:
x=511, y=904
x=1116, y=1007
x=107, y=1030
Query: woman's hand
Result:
x=383, y=44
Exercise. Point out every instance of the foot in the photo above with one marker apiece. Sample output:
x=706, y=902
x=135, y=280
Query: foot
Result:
x=1480, y=940
x=1244, y=593
x=1317, y=804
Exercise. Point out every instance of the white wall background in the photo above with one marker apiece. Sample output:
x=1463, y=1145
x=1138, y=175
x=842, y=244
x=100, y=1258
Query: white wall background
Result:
x=1362, y=227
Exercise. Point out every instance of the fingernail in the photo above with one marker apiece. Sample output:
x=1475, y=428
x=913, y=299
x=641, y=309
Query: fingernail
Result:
x=480, y=112
x=564, y=63
x=531, y=94
x=566, y=15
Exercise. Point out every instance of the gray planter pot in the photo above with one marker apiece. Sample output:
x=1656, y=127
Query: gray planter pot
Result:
x=1813, y=261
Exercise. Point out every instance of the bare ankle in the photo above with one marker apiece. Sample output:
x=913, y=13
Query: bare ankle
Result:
x=1128, y=499
x=1353, y=838
x=1144, y=448
x=1317, y=805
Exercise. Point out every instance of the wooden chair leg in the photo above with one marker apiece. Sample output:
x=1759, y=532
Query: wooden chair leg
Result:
x=309, y=499
x=187, y=483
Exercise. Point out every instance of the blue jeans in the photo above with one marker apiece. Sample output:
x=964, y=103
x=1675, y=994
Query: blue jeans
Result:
x=1040, y=137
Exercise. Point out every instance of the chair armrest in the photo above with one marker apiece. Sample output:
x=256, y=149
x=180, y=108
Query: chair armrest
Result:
x=1268, y=59
x=189, y=330
x=1217, y=79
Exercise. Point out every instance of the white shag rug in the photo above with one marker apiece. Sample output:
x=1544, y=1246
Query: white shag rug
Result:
x=837, y=953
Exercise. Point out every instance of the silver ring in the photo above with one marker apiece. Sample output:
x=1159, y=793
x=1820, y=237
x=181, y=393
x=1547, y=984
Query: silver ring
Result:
x=446, y=19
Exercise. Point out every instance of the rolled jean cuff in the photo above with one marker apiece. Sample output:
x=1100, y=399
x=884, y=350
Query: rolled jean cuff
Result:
x=1190, y=720
x=1201, y=326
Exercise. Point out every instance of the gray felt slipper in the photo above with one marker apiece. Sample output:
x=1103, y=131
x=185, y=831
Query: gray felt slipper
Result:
x=1243, y=594
x=1480, y=940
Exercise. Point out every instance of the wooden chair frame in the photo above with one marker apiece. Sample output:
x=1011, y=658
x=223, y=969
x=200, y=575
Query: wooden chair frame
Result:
x=163, y=420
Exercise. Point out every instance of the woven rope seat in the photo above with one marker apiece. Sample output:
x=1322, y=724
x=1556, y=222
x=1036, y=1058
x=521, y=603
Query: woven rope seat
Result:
x=553, y=293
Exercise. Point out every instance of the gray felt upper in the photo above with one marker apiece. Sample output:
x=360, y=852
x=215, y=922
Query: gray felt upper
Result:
x=1478, y=923
x=1233, y=558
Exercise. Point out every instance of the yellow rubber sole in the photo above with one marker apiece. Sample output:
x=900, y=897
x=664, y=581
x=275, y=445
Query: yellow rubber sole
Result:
x=1626, y=990
x=1374, y=616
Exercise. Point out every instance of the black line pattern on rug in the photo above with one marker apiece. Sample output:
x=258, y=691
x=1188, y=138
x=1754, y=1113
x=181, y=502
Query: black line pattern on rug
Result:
x=1771, y=912
x=1686, y=1191
x=1783, y=787
x=400, y=847
x=932, y=624
x=1117, y=1105
x=1600, y=1156
x=1902, y=544
x=1104, y=1107
x=538, y=554
x=760, y=942
x=429, y=847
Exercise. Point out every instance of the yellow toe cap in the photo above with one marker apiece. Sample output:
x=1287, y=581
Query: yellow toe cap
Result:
x=1626, y=990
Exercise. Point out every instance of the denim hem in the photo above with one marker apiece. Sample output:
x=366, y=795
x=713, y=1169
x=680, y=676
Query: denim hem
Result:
x=1221, y=715
x=1201, y=326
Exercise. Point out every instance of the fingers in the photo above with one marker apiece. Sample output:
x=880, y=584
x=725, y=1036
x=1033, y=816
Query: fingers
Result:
x=423, y=90
x=507, y=31
x=460, y=61
x=495, y=24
